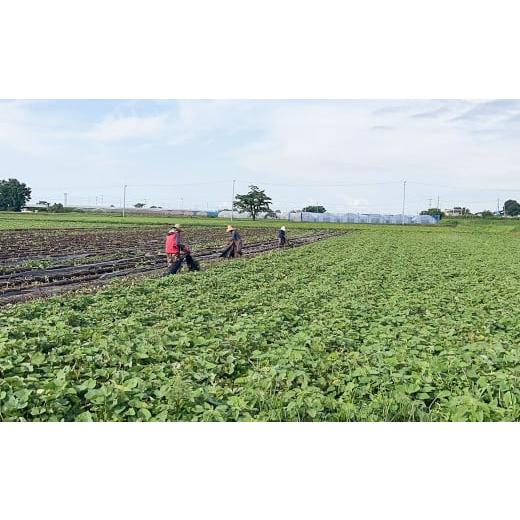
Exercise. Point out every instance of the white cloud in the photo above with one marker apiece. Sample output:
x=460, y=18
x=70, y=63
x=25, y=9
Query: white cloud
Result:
x=320, y=144
x=301, y=151
x=20, y=132
x=114, y=128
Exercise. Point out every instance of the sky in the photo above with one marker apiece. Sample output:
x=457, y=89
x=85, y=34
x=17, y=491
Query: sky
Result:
x=349, y=156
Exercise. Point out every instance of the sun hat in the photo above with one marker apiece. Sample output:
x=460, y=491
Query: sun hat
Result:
x=175, y=228
x=283, y=228
x=230, y=228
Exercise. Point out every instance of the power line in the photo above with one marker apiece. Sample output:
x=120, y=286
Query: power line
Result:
x=455, y=188
x=175, y=185
x=321, y=185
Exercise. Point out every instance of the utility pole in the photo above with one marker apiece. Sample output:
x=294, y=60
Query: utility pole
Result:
x=498, y=207
x=65, y=199
x=124, y=200
x=404, y=200
x=438, y=203
x=233, y=201
x=429, y=203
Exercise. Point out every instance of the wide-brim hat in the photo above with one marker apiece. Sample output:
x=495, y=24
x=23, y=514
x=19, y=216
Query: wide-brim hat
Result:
x=174, y=229
x=230, y=228
x=283, y=228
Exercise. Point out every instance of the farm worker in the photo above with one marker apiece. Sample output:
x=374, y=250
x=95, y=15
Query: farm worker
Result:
x=282, y=239
x=177, y=252
x=234, y=246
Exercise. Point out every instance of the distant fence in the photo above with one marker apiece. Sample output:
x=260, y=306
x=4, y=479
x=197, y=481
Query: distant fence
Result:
x=151, y=211
x=244, y=214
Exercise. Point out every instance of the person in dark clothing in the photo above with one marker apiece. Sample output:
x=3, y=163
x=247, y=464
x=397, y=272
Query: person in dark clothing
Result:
x=235, y=244
x=282, y=238
x=177, y=253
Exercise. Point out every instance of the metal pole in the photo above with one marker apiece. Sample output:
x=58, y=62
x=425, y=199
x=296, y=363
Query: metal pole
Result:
x=65, y=199
x=404, y=199
x=438, y=203
x=233, y=201
x=124, y=200
x=429, y=203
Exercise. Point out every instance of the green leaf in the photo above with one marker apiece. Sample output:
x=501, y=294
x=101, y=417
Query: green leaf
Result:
x=84, y=417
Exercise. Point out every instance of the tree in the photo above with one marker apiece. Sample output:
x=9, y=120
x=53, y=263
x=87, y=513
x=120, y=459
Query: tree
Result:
x=57, y=208
x=433, y=211
x=487, y=214
x=314, y=209
x=253, y=202
x=511, y=208
x=13, y=195
x=43, y=203
x=139, y=205
x=271, y=214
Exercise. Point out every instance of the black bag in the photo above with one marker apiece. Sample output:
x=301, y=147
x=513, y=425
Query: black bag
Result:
x=175, y=266
x=227, y=252
x=192, y=264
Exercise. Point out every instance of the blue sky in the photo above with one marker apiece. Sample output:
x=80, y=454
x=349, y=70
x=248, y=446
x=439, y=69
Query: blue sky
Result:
x=346, y=155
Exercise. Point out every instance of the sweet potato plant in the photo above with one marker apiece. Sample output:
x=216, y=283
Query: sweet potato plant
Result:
x=380, y=325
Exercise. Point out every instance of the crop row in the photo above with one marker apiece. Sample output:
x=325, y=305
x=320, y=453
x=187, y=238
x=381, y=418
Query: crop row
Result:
x=369, y=326
x=35, y=283
x=30, y=245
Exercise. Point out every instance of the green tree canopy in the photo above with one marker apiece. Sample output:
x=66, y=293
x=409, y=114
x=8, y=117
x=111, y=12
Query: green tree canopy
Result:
x=253, y=202
x=13, y=195
x=314, y=209
x=57, y=208
x=511, y=208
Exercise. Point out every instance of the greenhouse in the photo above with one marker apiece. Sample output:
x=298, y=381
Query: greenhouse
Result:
x=339, y=218
x=362, y=218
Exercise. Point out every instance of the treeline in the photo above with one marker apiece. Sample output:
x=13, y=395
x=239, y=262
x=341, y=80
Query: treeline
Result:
x=14, y=196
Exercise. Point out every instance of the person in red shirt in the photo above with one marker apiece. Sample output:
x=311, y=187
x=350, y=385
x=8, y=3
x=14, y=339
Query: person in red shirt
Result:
x=177, y=252
x=173, y=244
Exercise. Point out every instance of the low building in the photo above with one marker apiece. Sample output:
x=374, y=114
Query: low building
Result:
x=34, y=208
x=457, y=211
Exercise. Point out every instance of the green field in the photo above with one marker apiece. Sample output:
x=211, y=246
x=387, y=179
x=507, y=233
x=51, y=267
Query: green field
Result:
x=10, y=221
x=21, y=221
x=387, y=323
